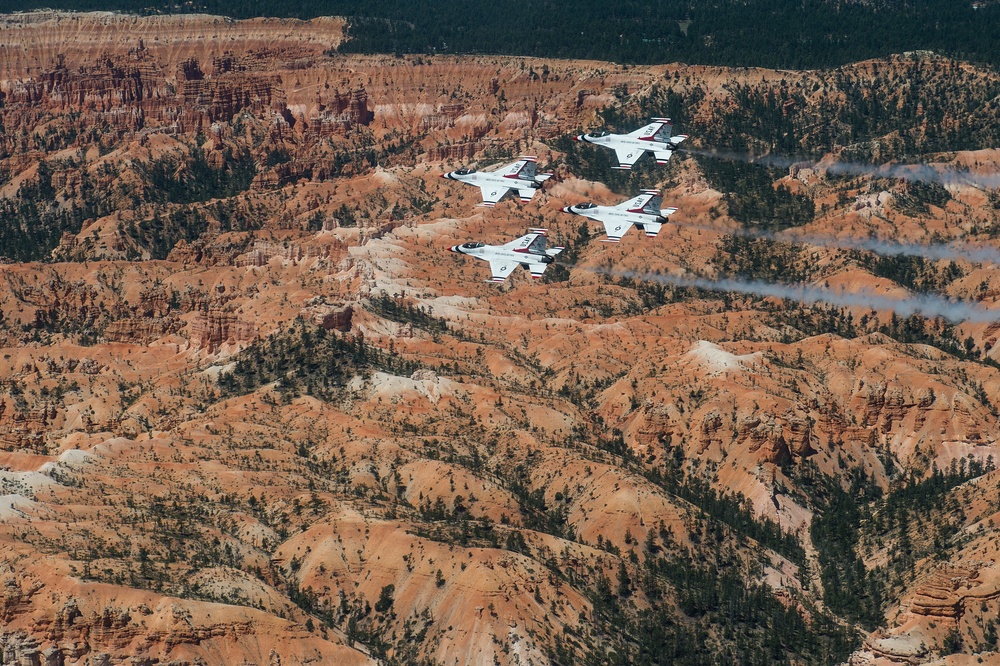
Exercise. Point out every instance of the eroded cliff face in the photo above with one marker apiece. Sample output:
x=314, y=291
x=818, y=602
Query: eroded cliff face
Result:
x=34, y=40
x=502, y=474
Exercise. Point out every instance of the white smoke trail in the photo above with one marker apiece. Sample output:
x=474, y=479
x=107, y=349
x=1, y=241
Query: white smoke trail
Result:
x=919, y=173
x=924, y=304
x=910, y=172
x=932, y=251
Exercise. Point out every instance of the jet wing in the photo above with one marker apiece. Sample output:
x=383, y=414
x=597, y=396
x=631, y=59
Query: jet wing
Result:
x=616, y=230
x=627, y=157
x=501, y=268
x=492, y=194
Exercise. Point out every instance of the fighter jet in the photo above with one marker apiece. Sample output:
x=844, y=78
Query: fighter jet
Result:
x=528, y=251
x=494, y=185
x=642, y=211
x=654, y=137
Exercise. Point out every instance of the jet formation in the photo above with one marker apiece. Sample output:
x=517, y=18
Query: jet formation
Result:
x=528, y=251
x=494, y=185
x=642, y=211
x=653, y=138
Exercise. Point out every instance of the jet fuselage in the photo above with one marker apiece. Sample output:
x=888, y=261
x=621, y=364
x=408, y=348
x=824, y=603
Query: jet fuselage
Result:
x=489, y=252
x=491, y=179
x=612, y=214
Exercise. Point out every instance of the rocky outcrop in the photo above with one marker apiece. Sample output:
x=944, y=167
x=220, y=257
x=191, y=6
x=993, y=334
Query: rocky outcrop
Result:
x=941, y=594
x=459, y=151
x=133, y=93
x=800, y=436
x=901, y=649
x=146, y=631
x=711, y=426
x=330, y=317
x=263, y=251
x=764, y=436
x=256, y=44
x=25, y=428
x=215, y=326
x=142, y=330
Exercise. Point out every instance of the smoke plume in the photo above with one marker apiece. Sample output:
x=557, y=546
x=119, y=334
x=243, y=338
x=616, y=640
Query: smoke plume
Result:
x=931, y=251
x=923, y=304
x=919, y=173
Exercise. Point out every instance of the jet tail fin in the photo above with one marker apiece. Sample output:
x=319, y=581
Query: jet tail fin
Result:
x=525, y=167
x=665, y=130
x=653, y=205
x=537, y=246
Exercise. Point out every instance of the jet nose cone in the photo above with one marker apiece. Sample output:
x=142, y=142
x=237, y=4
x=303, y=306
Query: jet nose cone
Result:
x=578, y=137
x=444, y=175
x=567, y=209
x=453, y=248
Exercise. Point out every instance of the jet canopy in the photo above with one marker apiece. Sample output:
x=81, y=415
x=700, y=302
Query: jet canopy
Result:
x=585, y=206
x=597, y=135
x=464, y=172
x=471, y=246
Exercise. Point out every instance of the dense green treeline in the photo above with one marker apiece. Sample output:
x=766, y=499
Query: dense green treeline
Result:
x=920, y=515
x=34, y=222
x=850, y=589
x=37, y=216
x=713, y=588
x=759, y=259
x=308, y=360
x=752, y=198
x=191, y=179
x=771, y=33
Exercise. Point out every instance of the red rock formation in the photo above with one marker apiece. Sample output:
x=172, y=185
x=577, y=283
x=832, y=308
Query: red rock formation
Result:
x=214, y=326
x=461, y=151
x=142, y=330
x=330, y=317
x=940, y=596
